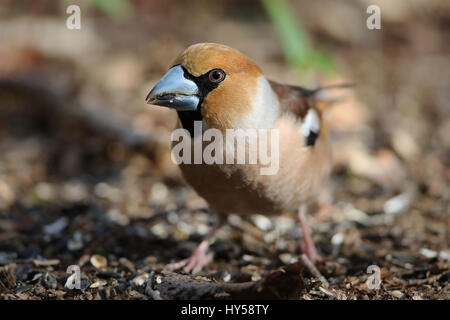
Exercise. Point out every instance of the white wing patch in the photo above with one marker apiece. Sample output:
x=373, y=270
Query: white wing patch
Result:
x=311, y=127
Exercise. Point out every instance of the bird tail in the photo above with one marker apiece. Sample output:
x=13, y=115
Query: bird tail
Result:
x=327, y=96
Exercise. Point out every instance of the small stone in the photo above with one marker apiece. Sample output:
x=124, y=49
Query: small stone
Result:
x=45, y=263
x=173, y=218
x=248, y=258
x=45, y=191
x=227, y=277
x=74, y=191
x=98, y=261
x=76, y=243
x=256, y=276
x=397, y=294
x=327, y=292
x=98, y=284
x=287, y=258
x=404, y=143
x=397, y=204
x=127, y=264
x=355, y=214
x=159, y=193
x=338, y=239
x=262, y=222
x=430, y=254
x=104, y=190
x=151, y=260
x=56, y=227
x=140, y=280
x=160, y=229
x=116, y=216
x=445, y=255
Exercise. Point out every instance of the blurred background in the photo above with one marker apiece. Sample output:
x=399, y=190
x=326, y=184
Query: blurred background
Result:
x=81, y=153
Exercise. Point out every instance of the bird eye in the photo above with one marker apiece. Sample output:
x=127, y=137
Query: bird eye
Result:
x=216, y=75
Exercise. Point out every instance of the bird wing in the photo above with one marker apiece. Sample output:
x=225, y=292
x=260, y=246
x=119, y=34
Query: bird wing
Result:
x=307, y=105
x=295, y=100
x=298, y=100
x=301, y=103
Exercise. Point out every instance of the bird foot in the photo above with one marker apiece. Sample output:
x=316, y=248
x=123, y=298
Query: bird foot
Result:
x=308, y=248
x=195, y=262
x=312, y=254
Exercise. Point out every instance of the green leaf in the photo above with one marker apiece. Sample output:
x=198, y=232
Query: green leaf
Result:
x=294, y=39
x=115, y=9
x=322, y=60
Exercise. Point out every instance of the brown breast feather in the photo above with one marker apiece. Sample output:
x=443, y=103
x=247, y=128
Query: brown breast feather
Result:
x=241, y=189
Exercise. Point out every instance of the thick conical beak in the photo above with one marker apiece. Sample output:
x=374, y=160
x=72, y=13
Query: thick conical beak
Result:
x=173, y=90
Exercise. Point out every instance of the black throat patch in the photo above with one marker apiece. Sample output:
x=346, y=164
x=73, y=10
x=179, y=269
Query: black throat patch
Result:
x=205, y=86
x=187, y=119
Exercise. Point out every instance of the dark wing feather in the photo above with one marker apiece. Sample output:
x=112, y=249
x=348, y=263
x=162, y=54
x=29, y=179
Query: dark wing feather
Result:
x=298, y=100
x=295, y=100
x=300, y=103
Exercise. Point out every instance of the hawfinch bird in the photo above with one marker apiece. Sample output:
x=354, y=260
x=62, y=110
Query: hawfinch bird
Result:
x=222, y=89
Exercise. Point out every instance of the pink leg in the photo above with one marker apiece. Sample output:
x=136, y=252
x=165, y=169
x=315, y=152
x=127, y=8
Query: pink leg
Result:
x=199, y=257
x=308, y=248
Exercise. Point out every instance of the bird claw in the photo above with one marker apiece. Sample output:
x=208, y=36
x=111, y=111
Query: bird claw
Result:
x=312, y=254
x=308, y=248
x=194, y=263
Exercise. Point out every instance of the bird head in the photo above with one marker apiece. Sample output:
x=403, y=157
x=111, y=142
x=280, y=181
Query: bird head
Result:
x=220, y=84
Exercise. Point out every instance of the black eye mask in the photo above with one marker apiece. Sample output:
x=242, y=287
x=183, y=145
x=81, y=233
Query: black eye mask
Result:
x=205, y=86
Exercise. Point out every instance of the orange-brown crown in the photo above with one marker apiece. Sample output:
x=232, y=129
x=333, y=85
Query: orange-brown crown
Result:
x=202, y=57
x=234, y=97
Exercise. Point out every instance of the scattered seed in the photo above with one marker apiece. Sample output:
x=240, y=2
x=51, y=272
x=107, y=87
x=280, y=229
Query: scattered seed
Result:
x=397, y=204
x=56, y=227
x=98, y=261
x=45, y=263
x=127, y=264
x=428, y=253
x=140, y=280
x=338, y=239
x=98, y=284
x=287, y=258
x=397, y=294
x=262, y=222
